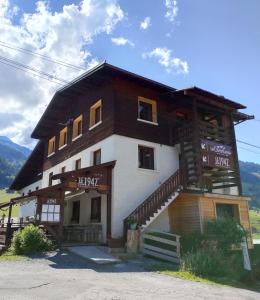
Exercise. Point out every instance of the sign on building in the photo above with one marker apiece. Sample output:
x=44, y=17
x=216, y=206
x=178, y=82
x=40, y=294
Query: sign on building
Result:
x=50, y=211
x=216, y=155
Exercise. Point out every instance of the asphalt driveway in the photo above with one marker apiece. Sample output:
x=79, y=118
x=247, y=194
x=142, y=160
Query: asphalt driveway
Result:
x=65, y=276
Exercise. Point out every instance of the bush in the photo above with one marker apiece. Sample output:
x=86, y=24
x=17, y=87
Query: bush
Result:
x=226, y=232
x=192, y=242
x=205, y=263
x=30, y=240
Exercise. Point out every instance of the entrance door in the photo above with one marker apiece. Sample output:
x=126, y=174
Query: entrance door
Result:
x=96, y=210
x=75, y=212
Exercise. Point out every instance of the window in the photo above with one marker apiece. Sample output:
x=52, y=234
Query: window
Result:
x=77, y=164
x=147, y=110
x=146, y=157
x=227, y=211
x=50, y=213
x=63, y=169
x=96, y=210
x=37, y=188
x=97, y=157
x=75, y=212
x=95, y=114
x=51, y=146
x=77, y=127
x=50, y=178
x=63, y=137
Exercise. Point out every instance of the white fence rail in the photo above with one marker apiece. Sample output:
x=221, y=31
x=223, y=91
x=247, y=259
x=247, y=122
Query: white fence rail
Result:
x=162, y=245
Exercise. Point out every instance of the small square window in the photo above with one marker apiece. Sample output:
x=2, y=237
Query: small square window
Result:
x=97, y=157
x=95, y=114
x=77, y=127
x=146, y=157
x=51, y=146
x=147, y=110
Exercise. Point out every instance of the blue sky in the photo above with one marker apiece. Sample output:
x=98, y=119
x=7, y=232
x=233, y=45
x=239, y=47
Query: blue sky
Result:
x=211, y=44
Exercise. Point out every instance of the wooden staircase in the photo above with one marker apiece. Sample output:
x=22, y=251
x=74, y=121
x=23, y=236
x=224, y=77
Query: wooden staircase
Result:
x=156, y=203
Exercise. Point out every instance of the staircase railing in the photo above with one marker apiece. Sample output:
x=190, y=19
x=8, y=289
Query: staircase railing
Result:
x=146, y=209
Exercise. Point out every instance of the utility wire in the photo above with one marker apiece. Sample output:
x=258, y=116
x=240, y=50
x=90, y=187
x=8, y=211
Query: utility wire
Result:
x=258, y=147
x=32, y=69
x=48, y=58
x=28, y=71
x=249, y=150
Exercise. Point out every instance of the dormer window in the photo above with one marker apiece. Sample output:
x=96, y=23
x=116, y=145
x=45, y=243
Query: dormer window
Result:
x=51, y=146
x=95, y=114
x=63, y=138
x=77, y=127
x=147, y=110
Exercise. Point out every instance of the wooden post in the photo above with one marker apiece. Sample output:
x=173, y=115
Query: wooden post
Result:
x=9, y=225
x=61, y=224
x=236, y=161
x=196, y=142
x=109, y=200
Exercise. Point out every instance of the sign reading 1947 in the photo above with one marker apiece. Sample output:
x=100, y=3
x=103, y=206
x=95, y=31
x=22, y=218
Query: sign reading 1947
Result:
x=216, y=154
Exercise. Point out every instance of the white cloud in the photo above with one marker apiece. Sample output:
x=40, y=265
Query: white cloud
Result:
x=146, y=23
x=62, y=35
x=171, y=10
x=121, y=41
x=168, y=61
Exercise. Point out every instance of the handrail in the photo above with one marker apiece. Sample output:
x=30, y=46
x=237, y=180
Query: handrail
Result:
x=155, y=200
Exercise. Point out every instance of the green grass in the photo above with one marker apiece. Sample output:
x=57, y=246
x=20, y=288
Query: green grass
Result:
x=4, y=197
x=255, y=223
x=8, y=256
x=234, y=280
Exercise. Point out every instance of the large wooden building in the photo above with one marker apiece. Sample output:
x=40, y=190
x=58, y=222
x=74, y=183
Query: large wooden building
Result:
x=115, y=146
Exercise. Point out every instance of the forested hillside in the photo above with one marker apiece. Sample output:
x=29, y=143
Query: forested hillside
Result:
x=12, y=157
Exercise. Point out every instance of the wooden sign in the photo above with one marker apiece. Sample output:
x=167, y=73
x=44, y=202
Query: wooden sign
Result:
x=216, y=155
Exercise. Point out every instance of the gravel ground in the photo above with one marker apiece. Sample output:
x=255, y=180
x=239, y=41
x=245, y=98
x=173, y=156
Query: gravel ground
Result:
x=65, y=276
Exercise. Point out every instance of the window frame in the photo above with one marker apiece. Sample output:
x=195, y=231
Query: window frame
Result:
x=50, y=180
x=92, y=114
x=153, y=103
x=153, y=157
x=94, y=157
x=76, y=134
x=63, y=132
x=51, y=140
x=78, y=164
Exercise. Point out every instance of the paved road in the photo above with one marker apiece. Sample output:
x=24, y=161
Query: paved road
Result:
x=64, y=276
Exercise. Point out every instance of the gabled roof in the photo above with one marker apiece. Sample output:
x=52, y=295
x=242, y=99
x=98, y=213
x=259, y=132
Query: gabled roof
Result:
x=98, y=75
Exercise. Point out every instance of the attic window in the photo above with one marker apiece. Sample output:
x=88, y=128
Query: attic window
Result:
x=77, y=127
x=95, y=114
x=147, y=110
x=51, y=146
x=63, y=137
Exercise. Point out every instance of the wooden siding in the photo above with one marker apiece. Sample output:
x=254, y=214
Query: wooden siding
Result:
x=190, y=212
x=81, y=105
x=184, y=214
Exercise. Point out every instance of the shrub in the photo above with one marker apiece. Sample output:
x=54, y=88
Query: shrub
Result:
x=205, y=263
x=226, y=232
x=30, y=240
x=192, y=242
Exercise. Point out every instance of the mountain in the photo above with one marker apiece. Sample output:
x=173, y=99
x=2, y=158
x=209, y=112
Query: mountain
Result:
x=12, y=157
x=250, y=176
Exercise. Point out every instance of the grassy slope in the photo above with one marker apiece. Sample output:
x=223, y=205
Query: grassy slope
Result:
x=255, y=223
x=4, y=197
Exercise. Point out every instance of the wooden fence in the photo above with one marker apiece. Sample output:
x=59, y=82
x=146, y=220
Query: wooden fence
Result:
x=162, y=245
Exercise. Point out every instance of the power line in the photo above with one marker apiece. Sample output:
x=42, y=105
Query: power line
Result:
x=28, y=71
x=258, y=147
x=249, y=150
x=48, y=58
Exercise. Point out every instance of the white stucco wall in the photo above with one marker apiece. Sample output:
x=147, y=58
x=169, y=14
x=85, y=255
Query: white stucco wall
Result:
x=28, y=209
x=162, y=222
x=130, y=185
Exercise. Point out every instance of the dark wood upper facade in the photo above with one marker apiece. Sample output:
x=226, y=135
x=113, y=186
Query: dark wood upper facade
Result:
x=184, y=117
